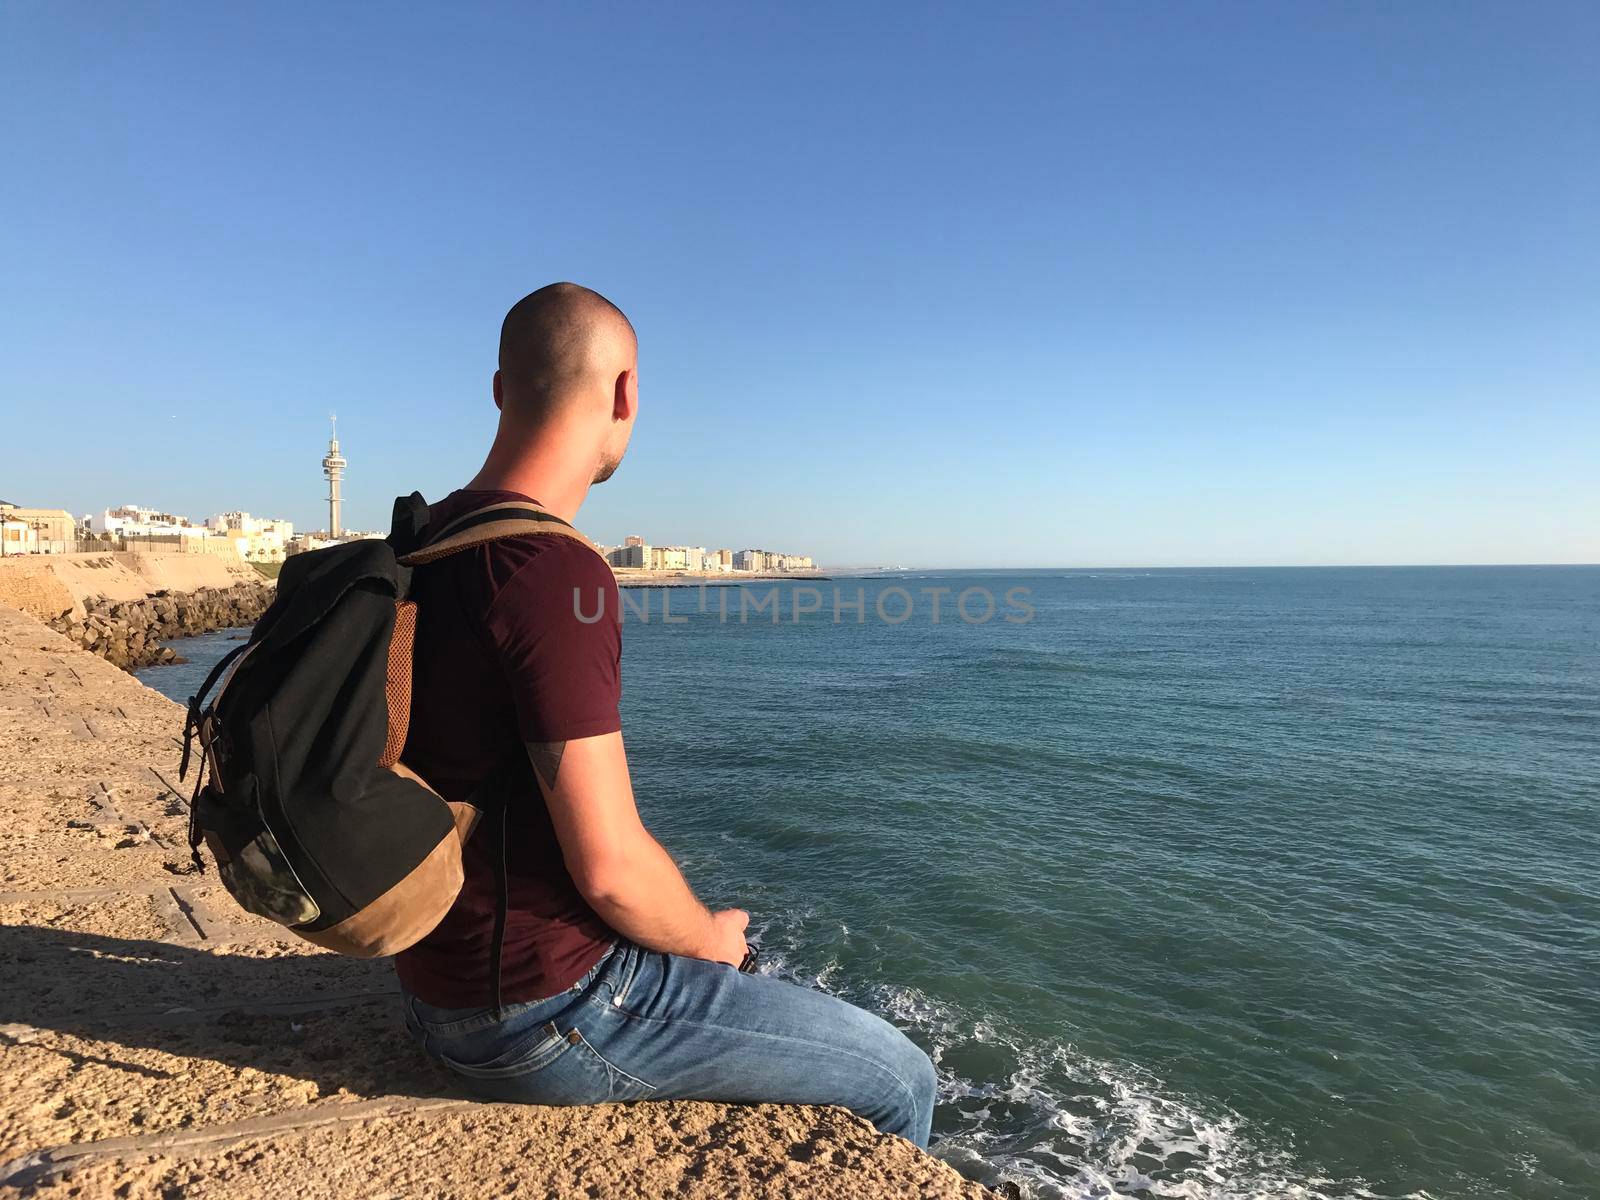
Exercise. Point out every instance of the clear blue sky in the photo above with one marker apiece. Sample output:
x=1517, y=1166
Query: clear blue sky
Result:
x=930, y=284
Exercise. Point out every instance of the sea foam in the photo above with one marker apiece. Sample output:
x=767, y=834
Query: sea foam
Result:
x=1061, y=1125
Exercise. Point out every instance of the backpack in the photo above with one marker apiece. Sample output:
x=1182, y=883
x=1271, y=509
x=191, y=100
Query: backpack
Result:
x=300, y=794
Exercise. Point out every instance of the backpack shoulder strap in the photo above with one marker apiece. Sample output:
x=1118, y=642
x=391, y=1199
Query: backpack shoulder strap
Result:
x=490, y=524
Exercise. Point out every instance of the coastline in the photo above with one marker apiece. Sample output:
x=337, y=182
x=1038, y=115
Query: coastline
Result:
x=638, y=577
x=160, y=1040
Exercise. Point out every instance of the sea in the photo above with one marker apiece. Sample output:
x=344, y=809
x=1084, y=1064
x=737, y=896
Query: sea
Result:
x=1214, y=884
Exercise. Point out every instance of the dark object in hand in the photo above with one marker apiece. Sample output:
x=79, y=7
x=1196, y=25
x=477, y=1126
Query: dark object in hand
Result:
x=752, y=958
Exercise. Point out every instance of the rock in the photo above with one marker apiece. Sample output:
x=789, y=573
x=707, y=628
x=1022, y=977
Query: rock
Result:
x=128, y=633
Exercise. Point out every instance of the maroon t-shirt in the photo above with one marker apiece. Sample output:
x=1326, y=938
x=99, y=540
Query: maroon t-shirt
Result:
x=502, y=659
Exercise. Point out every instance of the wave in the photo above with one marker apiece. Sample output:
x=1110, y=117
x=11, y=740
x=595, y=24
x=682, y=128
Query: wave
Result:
x=1048, y=1122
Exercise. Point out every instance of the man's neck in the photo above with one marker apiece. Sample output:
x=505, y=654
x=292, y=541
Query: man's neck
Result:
x=550, y=479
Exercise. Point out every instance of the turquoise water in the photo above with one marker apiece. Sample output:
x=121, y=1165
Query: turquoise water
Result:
x=179, y=681
x=1236, y=883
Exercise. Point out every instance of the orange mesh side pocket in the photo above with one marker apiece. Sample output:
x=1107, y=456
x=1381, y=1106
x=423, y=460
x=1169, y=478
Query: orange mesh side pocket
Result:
x=397, y=685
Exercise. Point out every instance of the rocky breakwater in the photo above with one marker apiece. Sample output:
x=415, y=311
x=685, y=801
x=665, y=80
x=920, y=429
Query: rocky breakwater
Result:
x=129, y=633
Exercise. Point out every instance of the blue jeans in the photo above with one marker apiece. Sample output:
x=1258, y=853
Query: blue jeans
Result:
x=642, y=1025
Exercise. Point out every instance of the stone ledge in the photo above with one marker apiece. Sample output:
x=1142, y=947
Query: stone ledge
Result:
x=158, y=1042
x=461, y=1151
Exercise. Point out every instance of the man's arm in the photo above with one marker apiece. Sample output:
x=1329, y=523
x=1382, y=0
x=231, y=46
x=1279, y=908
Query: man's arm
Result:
x=624, y=874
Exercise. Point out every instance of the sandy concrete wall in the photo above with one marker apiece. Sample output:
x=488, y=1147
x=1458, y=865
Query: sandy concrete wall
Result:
x=189, y=572
x=47, y=585
x=35, y=591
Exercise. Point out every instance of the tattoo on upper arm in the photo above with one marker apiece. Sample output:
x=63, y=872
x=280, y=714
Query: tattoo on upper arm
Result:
x=546, y=759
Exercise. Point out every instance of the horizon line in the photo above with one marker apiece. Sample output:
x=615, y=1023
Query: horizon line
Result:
x=1208, y=566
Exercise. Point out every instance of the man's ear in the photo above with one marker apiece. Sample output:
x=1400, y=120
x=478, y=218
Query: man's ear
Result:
x=499, y=393
x=626, y=397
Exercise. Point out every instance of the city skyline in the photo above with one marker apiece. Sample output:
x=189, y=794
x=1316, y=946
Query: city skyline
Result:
x=269, y=538
x=1068, y=286
x=105, y=519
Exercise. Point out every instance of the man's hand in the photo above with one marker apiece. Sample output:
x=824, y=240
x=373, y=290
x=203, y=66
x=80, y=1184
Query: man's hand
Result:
x=727, y=944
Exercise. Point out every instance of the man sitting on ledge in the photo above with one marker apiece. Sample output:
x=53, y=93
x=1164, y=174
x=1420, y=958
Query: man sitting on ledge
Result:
x=617, y=984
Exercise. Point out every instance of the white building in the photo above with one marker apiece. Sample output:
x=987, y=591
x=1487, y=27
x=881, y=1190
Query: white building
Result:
x=768, y=560
x=670, y=558
x=260, y=539
x=301, y=542
x=318, y=539
x=133, y=520
x=26, y=530
x=16, y=537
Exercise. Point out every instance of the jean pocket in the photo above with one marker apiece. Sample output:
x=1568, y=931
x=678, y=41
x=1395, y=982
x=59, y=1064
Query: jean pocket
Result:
x=532, y=1052
x=550, y=1067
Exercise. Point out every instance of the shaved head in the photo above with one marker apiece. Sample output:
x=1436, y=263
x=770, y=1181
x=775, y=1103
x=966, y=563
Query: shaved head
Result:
x=567, y=390
x=560, y=342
